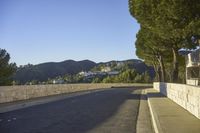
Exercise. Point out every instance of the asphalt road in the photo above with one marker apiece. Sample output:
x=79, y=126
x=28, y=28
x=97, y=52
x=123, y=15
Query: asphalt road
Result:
x=108, y=111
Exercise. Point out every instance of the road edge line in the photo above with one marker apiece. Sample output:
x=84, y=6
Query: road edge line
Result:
x=155, y=121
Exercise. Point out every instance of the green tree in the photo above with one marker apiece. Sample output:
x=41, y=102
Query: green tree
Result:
x=34, y=82
x=147, y=78
x=126, y=76
x=176, y=21
x=152, y=49
x=6, y=69
x=109, y=79
x=139, y=79
x=96, y=80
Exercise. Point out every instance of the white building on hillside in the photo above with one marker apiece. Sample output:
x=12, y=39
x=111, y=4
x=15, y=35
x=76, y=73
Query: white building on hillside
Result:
x=86, y=74
x=58, y=81
x=106, y=69
x=113, y=73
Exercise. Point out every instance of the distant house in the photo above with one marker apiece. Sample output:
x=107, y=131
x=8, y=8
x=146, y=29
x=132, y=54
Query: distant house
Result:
x=193, y=67
x=99, y=73
x=58, y=81
x=86, y=74
x=82, y=73
x=113, y=73
x=106, y=69
x=90, y=75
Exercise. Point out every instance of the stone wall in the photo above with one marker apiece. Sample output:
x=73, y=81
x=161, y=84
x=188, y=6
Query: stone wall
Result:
x=192, y=82
x=15, y=93
x=186, y=96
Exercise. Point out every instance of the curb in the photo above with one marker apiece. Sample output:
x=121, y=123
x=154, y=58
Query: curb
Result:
x=138, y=113
x=144, y=122
x=155, y=122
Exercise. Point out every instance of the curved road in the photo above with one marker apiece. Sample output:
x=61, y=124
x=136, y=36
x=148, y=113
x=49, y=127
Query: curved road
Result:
x=107, y=111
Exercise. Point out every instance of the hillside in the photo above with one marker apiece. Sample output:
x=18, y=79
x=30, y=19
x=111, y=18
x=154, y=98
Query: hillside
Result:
x=44, y=71
x=136, y=64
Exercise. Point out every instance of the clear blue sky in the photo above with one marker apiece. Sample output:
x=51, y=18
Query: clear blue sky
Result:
x=36, y=31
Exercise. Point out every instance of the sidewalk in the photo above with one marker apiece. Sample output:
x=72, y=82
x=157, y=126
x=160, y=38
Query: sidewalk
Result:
x=169, y=117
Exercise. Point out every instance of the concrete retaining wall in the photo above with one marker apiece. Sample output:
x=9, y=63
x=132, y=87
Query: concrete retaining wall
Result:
x=15, y=93
x=186, y=96
x=192, y=81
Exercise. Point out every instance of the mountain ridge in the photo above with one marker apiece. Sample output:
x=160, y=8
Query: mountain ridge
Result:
x=44, y=71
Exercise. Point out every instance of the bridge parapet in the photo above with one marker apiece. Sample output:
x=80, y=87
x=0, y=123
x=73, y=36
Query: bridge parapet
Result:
x=24, y=92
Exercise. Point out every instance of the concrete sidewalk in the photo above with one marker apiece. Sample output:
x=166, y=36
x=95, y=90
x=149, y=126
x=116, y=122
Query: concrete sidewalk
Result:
x=169, y=117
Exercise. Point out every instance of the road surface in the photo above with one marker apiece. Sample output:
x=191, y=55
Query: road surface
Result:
x=108, y=111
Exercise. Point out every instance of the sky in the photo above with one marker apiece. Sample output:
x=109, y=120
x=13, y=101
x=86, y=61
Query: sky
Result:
x=37, y=31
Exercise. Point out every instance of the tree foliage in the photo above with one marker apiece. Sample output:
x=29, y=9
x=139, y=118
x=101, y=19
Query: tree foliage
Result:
x=6, y=68
x=166, y=26
x=152, y=49
x=129, y=76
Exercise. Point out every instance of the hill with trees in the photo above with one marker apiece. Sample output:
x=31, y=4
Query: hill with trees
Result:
x=68, y=70
x=138, y=65
x=44, y=71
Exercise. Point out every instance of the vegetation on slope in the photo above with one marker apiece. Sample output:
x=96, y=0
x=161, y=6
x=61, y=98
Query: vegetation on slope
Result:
x=67, y=71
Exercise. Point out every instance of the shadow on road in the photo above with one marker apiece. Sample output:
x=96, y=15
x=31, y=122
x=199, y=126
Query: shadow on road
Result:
x=155, y=95
x=72, y=115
